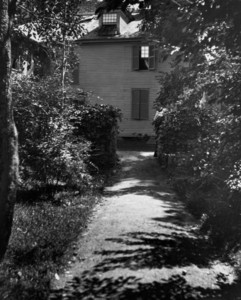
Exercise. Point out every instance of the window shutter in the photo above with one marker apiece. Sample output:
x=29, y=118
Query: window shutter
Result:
x=135, y=57
x=144, y=104
x=152, y=57
x=136, y=104
x=76, y=74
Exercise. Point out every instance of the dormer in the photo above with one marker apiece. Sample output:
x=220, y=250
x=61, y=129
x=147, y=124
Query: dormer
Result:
x=113, y=22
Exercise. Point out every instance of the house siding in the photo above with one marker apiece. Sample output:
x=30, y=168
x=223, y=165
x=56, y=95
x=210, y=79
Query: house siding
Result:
x=106, y=71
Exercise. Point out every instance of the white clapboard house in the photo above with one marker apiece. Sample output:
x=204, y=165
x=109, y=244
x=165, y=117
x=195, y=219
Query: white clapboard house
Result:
x=119, y=65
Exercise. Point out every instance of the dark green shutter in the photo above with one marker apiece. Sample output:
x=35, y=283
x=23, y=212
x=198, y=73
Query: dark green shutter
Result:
x=76, y=75
x=144, y=104
x=152, y=57
x=136, y=104
x=135, y=57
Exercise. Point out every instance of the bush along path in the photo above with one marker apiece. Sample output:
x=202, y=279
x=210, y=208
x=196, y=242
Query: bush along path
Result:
x=142, y=244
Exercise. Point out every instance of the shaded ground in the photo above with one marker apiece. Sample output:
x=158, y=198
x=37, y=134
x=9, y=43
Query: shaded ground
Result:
x=141, y=244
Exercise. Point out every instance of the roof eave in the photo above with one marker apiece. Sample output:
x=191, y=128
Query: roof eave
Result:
x=109, y=40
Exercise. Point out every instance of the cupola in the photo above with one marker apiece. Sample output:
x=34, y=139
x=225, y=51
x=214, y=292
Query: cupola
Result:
x=113, y=22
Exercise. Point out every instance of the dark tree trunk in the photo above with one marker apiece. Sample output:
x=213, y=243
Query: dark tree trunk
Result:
x=8, y=133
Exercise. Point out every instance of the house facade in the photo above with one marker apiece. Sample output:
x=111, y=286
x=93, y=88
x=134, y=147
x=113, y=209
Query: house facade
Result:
x=118, y=65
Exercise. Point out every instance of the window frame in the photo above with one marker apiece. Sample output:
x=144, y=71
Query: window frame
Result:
x=137, y=57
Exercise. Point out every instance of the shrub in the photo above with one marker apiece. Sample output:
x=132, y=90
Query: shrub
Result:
x=54, y=150
x=199, y=141
x=99, y=125
x=49, y=153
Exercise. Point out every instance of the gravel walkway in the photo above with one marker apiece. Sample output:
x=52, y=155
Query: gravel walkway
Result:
x=141, y=244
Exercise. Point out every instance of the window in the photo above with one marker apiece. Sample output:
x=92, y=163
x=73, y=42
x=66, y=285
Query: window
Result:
x=144, y=51
x=144, y=57
x=140, y=104
x=109, y=19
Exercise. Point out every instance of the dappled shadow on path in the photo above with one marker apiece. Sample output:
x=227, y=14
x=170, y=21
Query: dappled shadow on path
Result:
x=153, y=251
x=139, y=173
x=157, y=251
x=175, y=288
x=164, y=253
x=171, y=262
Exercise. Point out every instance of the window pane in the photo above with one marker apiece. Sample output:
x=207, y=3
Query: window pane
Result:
x=109, y=18
x=144, y=51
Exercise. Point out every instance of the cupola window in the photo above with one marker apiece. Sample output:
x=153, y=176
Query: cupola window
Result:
x=109, y=19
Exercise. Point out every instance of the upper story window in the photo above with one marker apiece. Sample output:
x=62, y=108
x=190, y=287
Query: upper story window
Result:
x=109, y=19
x=144, y=51
x=144, y=57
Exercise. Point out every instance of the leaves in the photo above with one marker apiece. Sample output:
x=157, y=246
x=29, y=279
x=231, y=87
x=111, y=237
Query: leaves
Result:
x=61, y=143
x=53, y=20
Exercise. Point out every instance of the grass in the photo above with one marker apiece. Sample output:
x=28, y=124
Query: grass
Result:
x=42, y=237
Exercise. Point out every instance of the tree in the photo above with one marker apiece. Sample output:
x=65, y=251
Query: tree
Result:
x=56, y=23
x=8, y=133
x=190, y=24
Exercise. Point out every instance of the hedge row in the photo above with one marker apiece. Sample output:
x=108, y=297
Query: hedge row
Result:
x=61, y=143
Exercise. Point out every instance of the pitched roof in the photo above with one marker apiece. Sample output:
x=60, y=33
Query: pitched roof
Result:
x=102, y=8
x=109, y=32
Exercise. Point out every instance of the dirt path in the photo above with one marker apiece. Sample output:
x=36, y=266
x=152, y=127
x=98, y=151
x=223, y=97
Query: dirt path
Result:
x=141, y=244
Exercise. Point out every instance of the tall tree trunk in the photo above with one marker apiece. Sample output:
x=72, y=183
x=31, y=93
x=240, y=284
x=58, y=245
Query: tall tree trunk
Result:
x=8, y=133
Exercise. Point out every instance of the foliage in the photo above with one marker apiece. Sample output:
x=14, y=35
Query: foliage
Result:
x=51, y=20
x=42, y=234
x=60, y=143
x=49, y=153
x=190, y=24
x=99, y=125
x=54, y=23
x=198, y=130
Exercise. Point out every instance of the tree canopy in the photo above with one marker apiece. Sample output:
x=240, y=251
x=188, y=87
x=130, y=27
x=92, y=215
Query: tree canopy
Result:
x=190, y=24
